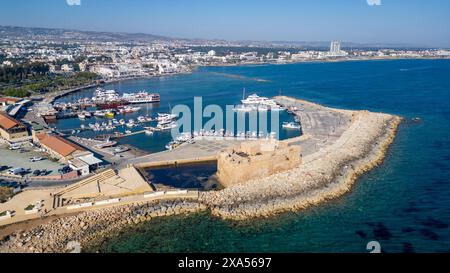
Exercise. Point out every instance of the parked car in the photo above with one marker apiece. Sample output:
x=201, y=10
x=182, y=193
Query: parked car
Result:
x=17, y=171
x=14, y=147
x=36, y=159
x=37, y=173
x=3, y=168
x=64, y=170
x=8, y=184
x=45, y=172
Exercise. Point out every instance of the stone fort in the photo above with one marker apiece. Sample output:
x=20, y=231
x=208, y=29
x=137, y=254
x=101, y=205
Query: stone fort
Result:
x=256, y=159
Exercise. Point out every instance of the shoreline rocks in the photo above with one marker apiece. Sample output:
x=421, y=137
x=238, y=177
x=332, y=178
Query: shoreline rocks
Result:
x=89, y=226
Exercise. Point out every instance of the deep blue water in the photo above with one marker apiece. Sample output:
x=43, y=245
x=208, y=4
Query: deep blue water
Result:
x=179, y=90
x=193, y=176
x=404, y=204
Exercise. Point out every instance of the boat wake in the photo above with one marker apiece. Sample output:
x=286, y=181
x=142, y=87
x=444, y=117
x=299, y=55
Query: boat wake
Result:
x=235, y=76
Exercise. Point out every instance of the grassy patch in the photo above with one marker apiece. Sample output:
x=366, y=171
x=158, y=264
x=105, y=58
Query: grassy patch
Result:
x=5, y=194
x=30, y=207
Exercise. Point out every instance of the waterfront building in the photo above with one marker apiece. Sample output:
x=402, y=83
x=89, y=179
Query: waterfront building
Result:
x=335, y=50
x=12, y=130
x=78, y=158
x=59, y=147
x=335, y=47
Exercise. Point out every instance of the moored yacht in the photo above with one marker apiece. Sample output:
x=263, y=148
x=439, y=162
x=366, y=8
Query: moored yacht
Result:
x=291, y=125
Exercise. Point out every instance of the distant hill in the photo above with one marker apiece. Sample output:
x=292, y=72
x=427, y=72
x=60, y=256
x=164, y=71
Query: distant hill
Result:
x=69, y=34
x=13, y=32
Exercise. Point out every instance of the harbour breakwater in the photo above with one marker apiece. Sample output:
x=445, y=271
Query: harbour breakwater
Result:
x=326, y=174
x=323, y=177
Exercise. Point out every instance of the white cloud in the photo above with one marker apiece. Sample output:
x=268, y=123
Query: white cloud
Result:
x=374, y=2
x=73, y=2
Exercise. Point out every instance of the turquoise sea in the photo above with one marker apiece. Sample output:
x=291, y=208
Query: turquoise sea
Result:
x=404, y=204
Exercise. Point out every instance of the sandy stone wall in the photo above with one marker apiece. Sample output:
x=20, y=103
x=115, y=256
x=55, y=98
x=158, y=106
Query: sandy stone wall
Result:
x=253, y=160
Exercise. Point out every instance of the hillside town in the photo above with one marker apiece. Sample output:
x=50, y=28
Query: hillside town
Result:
x=74, y=61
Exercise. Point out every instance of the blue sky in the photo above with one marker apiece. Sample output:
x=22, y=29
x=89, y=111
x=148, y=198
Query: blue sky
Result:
x=419, y=22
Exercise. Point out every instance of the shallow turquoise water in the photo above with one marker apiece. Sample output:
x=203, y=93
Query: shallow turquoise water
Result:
x=404, y=204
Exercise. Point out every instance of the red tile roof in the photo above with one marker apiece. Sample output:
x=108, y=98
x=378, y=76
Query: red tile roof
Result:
x=7, y=122
x=9, y=100
x=58, y=144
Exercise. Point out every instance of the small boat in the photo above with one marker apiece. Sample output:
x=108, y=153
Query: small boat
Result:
x=141, y=119
x=129, y=109
x=99, y=114
x=166, y=117
x=82, y=116
x=128, y=132
x=121, y=149
x=164, y=127
x=244, y=108
x=130, y=123
x=109, y=115
x=172, y=145
x=276, y=108
x=122, y=122
x=291, y=125
x=263, y=108
x=148, y=132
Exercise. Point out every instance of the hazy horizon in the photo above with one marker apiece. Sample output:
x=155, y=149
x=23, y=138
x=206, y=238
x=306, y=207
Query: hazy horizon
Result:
x=415, y=23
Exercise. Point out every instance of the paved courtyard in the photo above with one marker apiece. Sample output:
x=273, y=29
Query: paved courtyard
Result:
x=17, y=159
